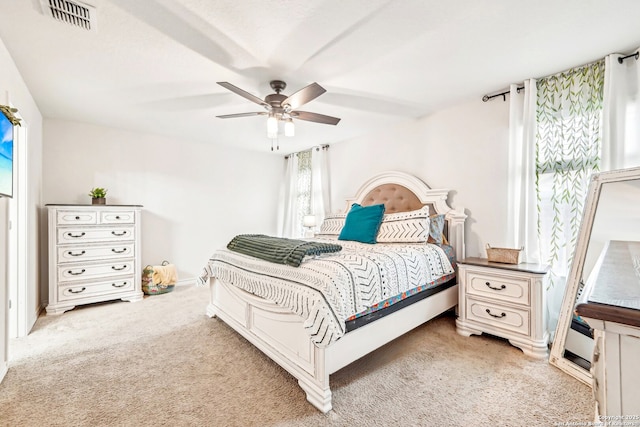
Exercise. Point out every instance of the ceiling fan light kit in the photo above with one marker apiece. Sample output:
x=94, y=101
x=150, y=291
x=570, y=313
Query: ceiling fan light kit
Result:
x=282, y=108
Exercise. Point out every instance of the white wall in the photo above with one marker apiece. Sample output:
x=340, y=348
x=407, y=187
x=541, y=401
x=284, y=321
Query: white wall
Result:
x=14, y=90
x=196, y=196
x=463, y=148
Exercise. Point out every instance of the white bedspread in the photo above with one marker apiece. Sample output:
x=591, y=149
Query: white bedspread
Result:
x=328, y=290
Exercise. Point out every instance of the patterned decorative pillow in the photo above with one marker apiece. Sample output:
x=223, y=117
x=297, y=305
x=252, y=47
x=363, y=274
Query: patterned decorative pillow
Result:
x=405, y=227
x=332, y=224
x=436, y=230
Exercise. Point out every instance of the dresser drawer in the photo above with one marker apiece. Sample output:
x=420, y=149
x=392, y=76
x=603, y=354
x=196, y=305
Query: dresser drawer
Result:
x=80, y=272
x=93, y=253
x=499, y=288
x=117, y=217
x=71, y=292
x=90, y=235
x=65, y=217
x=498, y=316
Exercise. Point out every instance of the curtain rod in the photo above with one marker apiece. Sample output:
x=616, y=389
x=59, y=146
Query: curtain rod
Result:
x=502, y=94
x=317, y=147
x=622, y=58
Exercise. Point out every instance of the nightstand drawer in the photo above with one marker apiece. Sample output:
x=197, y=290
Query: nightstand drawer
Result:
x=498, y=316
x=496, y=287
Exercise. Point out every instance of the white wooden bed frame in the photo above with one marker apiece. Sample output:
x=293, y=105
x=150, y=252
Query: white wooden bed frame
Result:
x=281, y=335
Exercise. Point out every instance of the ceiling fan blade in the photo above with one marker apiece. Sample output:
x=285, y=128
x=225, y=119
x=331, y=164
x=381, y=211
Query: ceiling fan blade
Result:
x=304, y=95
x=243, y=93
x=231, y=116
x=315, y=117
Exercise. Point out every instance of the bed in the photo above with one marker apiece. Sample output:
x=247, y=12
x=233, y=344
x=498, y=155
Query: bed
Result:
x=281, y=331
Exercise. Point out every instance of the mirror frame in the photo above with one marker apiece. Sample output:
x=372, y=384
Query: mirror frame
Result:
x=556, y=357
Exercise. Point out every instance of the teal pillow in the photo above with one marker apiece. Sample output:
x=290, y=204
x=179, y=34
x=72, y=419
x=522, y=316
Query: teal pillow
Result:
x=362, y=223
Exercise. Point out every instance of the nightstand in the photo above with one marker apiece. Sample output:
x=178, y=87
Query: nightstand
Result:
x=505, y=300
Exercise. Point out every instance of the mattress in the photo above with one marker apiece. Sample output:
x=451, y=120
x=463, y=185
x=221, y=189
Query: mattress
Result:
x=328, y=290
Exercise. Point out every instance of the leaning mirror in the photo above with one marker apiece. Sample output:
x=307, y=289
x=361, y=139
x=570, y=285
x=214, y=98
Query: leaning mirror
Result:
x=612, y=212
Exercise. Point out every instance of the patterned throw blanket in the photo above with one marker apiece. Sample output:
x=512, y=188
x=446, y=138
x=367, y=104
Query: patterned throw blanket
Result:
x=278, y=249
x=327, y=290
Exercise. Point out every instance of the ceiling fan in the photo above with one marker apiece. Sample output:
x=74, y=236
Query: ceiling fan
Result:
x=281, y=107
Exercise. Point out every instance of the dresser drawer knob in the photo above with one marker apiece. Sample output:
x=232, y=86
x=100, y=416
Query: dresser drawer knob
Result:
x=76, y=235
x=118, y=268
x=116, y=251
x=76, y=273
x=122, y=233
x=71, y=291
x=76, y=254
x=493, y=287
x=122, y=285
x=77, y=217
x=117, y=216
x=500, y=316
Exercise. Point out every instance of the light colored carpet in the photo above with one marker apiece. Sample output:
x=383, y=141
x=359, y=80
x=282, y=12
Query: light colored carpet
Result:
x=162, y=361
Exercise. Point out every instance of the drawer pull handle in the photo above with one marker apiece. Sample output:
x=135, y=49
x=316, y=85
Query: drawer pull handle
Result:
x=115, y=233
x=76, y=235
x=116, y=251
x=503, y=314
x=493, y=287
x=76, y=273
x=118, y=268
x=117, y=216
x=77, y=217
x=78, y=254
x=119, y=286
x=71, y=291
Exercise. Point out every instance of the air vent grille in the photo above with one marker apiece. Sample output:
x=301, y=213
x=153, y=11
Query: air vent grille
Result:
x=71, y=12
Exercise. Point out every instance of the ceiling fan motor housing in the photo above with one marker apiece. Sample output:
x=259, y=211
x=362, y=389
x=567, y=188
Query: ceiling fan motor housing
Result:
x=277, y=85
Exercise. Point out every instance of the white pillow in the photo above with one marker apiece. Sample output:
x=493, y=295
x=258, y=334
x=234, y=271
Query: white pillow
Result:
x=400, y=227
x=405, y=227
x=332, y=224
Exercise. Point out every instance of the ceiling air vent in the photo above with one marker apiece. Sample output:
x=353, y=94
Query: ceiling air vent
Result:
x=73, y=13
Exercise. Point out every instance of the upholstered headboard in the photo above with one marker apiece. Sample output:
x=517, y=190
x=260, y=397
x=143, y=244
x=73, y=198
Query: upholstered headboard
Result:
x=401, y=192
x=395, y=197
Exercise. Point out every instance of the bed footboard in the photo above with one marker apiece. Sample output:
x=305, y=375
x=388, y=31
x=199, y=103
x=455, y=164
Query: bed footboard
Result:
x=281, y=335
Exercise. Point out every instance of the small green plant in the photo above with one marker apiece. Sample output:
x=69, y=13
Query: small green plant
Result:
x=98, y=193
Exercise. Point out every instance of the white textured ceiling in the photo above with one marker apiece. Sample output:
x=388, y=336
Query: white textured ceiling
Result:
x=152, y=65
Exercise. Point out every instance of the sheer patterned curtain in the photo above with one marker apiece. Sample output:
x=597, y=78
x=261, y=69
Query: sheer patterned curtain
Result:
x=569, y=115
x=305, y=191
x=621, y=113
x=522, y=201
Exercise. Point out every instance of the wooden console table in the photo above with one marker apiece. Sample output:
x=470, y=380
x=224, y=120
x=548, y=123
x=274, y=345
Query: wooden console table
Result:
x=611, y=306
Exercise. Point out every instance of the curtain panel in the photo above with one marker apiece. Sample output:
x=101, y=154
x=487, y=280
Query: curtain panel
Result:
x=568, y=122
x=522, y=215
x=621, y=114
x=288, y=198
x=305, y=191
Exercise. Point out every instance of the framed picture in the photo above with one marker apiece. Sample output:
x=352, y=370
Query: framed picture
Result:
x=6, y=156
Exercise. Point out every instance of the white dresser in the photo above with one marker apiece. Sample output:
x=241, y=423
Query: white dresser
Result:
x=505, y=300
x=94, y=255
x=611, y=306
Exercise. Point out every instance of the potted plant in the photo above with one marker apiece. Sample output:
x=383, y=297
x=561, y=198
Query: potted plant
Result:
x=98, y=195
